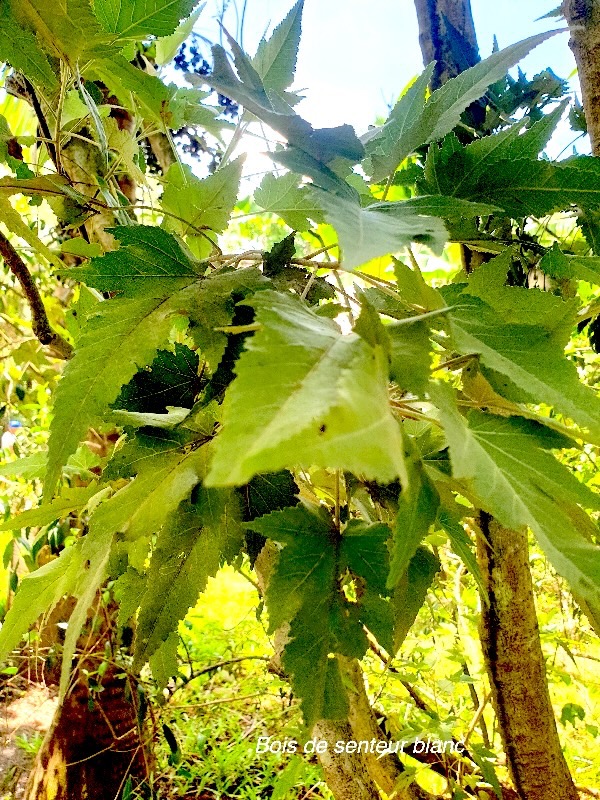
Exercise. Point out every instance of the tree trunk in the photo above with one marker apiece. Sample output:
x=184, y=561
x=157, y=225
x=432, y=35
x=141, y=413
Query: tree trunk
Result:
x=93, y=745
x=447, y=36
x=509, y=631
x=97, y=738
x=583, y=17
x=515, y=663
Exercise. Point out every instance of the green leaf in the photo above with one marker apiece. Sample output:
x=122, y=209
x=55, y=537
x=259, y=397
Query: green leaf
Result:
x=514, y=304
x=164, y=662
x=504, y=463
x=200, y=204
x=377, y=614
x=21, y=49
x=589, y=221
x=190, y=548
x=95, y=552
x=315, y=676
x=186, y=108
x=166, y=471
x=303, y=590
x=364, y=551
x=171, y=381
x=462, y=546
x=38, y=592
x=28, y=467
x=267, y=493
x=389, y=145
x=311, y=149
x=213, y=307
x=414, y=289
x=521, y=186
x=120, y=337
x=137, y=419
x=138, y=19
x=275, y=59
x=168, y=46
x=529, y=356
x=457, y=170
x=128, y=590
x=136, y=89
x=307, y=560
x=124, y=334
x=365, y=233
x=68, y=30
x=148, y=263
x=558, y=265
x=410, y=366
x=435, y=206
x=306, y=395
x=69, y=500
x=410, y=593
x=34, y=466
x=514, y=142
x=281, y=195
x=414, y=122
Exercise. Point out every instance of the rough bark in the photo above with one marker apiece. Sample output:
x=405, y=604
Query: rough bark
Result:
x=515, y=664
x=583, y=17
x=93, y=745
x=447, y=36
x=98, y=736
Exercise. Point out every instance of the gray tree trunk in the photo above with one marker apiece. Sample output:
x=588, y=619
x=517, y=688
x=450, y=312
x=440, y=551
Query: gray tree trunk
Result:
x=515, y=663
x=583, y=18
x=447, y=36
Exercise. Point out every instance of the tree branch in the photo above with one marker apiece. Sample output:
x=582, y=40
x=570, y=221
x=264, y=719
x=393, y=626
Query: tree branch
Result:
x=39, y=318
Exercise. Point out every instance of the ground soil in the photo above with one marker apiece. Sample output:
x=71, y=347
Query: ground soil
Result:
x=26, y=712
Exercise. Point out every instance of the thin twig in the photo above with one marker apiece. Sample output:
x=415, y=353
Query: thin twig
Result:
x=39, y=319
x=212, y=668
x=221, y=702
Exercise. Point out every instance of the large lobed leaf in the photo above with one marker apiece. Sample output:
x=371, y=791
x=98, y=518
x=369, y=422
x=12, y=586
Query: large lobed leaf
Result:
x=306, y=395
x=200, y=207
x=509, y=175
x=506, y=465
x=275, y=59
x=365, y=233
x=529, y=355
x=303, y=591
x=189, y=549
x=21, y=49
x=414, y=122
x=149, y=263
x=122, y=336
x=281, y=195
x=38, y=593
x=67, y=30
x=167, y=467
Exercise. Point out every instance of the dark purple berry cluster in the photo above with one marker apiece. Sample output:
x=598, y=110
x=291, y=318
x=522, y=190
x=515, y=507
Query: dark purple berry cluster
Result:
x=189, y=58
